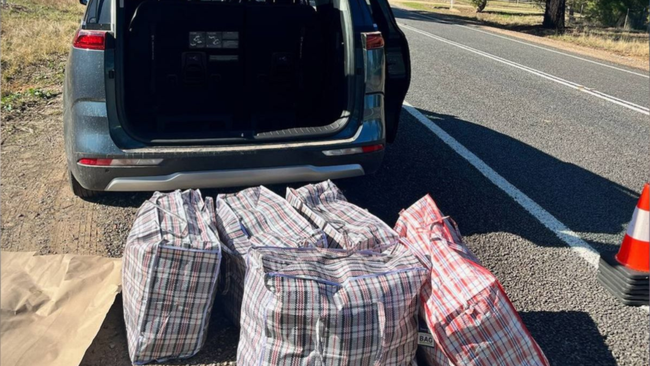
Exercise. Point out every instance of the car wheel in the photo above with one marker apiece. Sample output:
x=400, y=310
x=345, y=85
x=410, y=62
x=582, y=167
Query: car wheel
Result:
x=78, y=190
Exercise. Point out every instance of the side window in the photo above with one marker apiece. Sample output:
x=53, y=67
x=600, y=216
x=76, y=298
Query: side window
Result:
x=98, y=14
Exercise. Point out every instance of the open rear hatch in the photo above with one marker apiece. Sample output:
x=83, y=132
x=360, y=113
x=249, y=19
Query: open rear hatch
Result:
x=209, y=71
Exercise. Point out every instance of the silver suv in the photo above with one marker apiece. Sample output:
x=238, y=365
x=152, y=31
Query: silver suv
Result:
x=167, y=94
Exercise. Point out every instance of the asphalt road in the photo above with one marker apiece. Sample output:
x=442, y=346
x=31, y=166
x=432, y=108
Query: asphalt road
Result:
x=581, y=158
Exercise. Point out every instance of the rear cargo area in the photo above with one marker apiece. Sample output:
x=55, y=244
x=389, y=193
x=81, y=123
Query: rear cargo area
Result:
x=197, y=70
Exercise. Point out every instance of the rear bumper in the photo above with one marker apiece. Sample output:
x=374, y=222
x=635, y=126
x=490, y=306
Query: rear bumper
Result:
x=215, y=166
x=230, y=178
x=218, y=170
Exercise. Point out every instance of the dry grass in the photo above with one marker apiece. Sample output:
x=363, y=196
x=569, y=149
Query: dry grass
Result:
x=463, y=6
x=527, y=17
x=624, y=44
x=36, y=37
x=508, y=19
x=501, y=13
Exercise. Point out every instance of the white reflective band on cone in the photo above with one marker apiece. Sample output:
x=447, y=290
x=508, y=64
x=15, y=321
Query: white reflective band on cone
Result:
x=639, y=227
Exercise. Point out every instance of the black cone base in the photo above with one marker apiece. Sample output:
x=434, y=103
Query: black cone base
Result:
x=629, y=286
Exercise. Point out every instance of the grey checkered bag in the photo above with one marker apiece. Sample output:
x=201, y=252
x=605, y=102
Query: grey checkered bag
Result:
x=256, y=217
x=347, y=226
x=170, y=268
x=311, y=306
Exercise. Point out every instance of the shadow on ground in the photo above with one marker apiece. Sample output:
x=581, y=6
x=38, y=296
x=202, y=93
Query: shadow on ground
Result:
x=508, y=13
x=419, y=163
x=110, y=345
x=579, y=344
x=422, y=15
x=572, y=347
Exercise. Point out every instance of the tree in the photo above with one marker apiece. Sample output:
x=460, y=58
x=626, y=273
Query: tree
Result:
x=479, y=4
x=554, y=14
x=612, y=13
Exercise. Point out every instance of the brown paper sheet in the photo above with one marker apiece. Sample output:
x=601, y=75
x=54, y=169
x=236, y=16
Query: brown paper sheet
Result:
x=51, y=307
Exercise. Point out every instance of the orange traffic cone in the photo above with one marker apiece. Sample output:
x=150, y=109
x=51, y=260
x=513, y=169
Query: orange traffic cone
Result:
x=625, y=274
x=635, y=250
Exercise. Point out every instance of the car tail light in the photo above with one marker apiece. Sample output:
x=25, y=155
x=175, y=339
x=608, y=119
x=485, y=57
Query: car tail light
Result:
x=374, y=61
x=373, y=40
x=354, y=150
x=372, y=148
x=118, y=162
x=98, y=162
x=90, y=39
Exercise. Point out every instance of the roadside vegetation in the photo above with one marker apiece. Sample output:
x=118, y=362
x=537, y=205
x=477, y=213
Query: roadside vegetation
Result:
x=580, y=29
x=494, y=12
x=36, y=37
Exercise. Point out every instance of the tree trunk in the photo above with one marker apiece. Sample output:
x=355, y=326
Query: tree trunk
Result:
x=481, y=5
x=554, y=14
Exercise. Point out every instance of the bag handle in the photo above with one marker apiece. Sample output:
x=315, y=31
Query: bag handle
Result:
x=381, y=319
x=197, y=201
x=169, y=213
x=183, y=218
x=165, y=210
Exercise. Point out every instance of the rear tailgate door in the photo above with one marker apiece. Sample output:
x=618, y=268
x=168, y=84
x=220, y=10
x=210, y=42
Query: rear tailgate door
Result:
x=398, y=64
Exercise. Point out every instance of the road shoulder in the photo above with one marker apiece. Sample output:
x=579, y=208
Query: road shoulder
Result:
x=555, y=45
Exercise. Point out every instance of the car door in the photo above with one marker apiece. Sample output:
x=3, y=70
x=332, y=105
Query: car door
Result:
x=398, y=64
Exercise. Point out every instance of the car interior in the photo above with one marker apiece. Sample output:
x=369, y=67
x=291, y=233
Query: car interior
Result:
x=212, y=69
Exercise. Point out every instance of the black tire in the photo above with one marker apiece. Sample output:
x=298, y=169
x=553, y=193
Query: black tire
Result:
x=78, y=190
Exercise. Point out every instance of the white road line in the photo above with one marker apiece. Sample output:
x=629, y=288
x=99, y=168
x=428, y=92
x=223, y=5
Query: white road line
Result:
x=647, y=76
x=570, y=84
x=573, y=240
x=568, y=236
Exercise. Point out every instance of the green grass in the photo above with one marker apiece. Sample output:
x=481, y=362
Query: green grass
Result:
x=18, y=101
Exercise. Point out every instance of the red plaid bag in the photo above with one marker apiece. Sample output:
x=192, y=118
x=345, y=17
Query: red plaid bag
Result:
x=425, y=215
x=330, y=307
x=170, y=269
x=347, y=226
x=256, y=217
x=468, y=313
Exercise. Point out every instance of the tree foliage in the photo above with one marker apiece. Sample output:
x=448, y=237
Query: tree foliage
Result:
x=605, y=13
x=611, y=13
x=479, y=4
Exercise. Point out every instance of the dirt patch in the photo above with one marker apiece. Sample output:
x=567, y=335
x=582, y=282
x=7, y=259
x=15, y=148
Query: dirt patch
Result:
x=40, y=213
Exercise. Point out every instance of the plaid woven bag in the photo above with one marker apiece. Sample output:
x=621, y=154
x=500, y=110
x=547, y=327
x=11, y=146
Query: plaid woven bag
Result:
x=468, y=313
x=171, y=263
x=330, y=307
x=347, y=226
x=251, y=218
